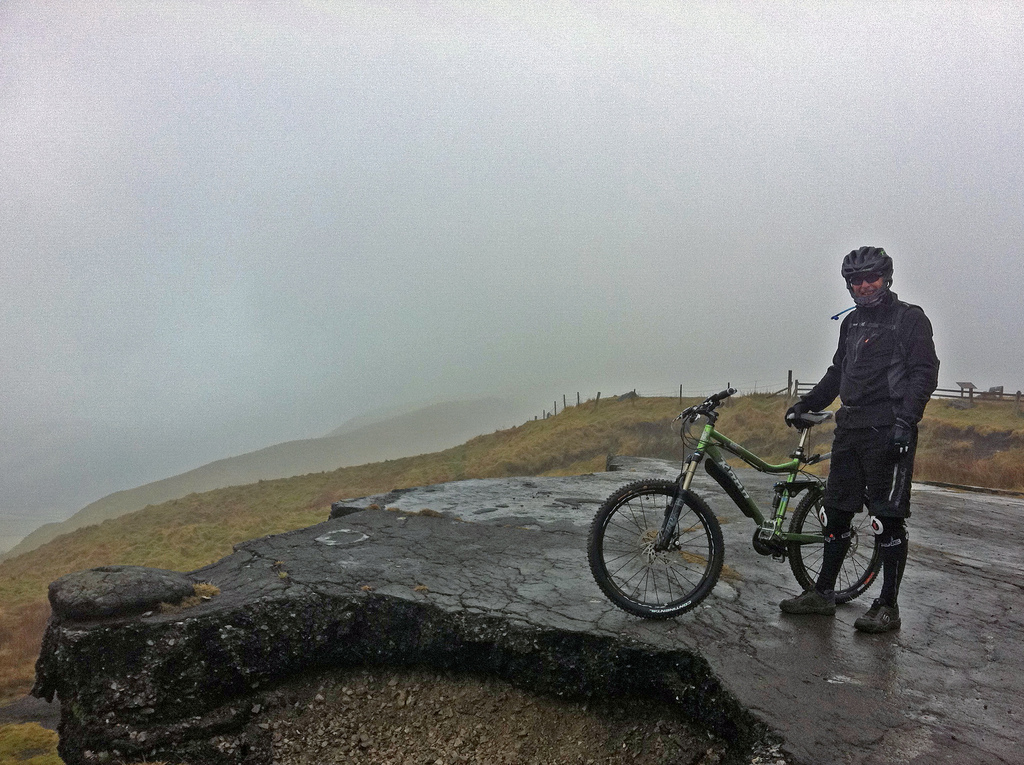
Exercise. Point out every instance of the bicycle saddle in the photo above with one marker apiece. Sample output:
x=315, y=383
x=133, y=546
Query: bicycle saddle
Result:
x=815, y=418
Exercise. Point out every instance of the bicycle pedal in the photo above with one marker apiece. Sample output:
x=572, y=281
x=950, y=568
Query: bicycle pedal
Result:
x=767, y=531
x=779, y=557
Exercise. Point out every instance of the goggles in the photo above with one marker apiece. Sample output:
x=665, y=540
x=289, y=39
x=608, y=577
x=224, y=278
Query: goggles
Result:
x=859, y=279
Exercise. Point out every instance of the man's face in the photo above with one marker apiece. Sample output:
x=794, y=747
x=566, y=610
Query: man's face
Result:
x=865, y=285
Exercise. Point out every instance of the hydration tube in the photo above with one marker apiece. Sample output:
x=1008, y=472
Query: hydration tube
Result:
x=836, y=317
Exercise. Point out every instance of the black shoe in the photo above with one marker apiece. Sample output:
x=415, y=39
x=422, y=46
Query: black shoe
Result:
x=879, y=618
x=811, y=602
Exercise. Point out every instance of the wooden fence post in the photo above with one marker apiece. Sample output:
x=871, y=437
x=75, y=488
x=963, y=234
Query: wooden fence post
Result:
x=597, y=400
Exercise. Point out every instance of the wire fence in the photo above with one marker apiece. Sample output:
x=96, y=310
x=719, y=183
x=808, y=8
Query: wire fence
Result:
x=967, y=393
x=579, y=399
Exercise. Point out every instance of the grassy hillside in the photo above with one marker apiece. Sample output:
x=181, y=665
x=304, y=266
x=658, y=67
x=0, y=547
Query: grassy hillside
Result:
x=984, y=445
x=358, y=442
x=981, y=446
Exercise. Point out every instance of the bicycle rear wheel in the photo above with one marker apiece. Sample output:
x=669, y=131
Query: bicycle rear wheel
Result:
x=637, y=578
x=861, y=564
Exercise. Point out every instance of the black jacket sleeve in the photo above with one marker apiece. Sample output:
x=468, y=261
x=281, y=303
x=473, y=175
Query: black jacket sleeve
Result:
x=922, y=367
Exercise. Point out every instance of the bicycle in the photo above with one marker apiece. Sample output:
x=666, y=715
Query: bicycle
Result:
x=656, y=549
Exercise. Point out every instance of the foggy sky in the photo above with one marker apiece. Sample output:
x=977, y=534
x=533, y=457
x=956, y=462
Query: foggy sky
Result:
x=226, y=225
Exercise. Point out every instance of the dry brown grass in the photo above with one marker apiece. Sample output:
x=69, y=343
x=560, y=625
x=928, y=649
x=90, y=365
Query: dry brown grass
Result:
x=21, y=631
x=1004, y=470
x=200, y=592
x=980, y=446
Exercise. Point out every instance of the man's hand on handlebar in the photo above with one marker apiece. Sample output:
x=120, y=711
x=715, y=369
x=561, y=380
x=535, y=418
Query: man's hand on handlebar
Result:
x=794, y=415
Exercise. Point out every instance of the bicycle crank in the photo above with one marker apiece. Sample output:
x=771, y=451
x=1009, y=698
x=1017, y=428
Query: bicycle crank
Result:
x=769, y=546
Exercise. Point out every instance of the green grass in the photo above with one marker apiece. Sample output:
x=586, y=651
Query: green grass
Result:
x=32, y=744
x=28, y=744
x=187, y=533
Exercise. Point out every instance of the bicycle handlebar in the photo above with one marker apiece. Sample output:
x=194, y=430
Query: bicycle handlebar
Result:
x=708, y=406
x=719, y=397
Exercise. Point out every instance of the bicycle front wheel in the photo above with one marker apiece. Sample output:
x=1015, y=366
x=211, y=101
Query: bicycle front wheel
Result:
x=636, y=577
x=861, y=564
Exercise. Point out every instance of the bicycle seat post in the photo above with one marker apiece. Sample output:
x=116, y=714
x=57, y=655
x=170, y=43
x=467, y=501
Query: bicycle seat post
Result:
x=803, y=438
x=804, y=434
x=810, y=420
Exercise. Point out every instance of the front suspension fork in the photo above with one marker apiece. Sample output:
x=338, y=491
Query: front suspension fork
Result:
x=668, y=526
x=675, y=509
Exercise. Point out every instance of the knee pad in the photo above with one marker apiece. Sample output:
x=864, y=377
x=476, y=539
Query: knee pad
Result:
x=836, y=524
x=889, y=532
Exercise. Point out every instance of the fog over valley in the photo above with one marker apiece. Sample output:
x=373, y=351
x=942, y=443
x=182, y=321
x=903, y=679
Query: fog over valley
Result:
x=226, y=226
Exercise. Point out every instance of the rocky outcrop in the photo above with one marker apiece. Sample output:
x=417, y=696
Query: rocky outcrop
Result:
x=369, y=587
x=116, y=591
x=191, y=690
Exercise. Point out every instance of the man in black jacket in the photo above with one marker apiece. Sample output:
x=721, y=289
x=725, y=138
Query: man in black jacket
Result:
x=884, y=372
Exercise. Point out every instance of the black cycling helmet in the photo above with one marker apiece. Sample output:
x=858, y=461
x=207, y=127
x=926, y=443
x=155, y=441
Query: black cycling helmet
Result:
x=868, y=260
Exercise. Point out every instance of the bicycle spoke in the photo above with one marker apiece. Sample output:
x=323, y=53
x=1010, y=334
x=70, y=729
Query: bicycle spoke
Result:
x=683, y=577
x=655, y=583
x=660, y=580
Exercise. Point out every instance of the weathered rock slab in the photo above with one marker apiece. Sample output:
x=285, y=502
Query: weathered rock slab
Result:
x=116, y=591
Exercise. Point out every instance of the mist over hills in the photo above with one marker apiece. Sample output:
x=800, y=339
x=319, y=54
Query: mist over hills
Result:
x=374, y=437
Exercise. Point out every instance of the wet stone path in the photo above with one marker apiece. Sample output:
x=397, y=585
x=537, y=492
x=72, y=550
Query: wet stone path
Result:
x=947, y=688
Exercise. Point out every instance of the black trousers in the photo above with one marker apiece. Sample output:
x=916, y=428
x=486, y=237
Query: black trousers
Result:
x=865, y=471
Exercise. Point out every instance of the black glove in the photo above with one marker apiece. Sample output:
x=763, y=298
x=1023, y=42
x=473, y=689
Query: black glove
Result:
x=902, y=437
x=794, y=413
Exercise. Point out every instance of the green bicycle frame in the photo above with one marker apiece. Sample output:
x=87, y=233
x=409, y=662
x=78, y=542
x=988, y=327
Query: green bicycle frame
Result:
x=711, y=445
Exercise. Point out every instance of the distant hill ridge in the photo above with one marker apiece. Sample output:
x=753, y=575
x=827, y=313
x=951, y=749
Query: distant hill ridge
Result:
x=366, y=439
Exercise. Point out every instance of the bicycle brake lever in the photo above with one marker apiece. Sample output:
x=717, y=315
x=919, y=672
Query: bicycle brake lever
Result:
x=683, y=414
